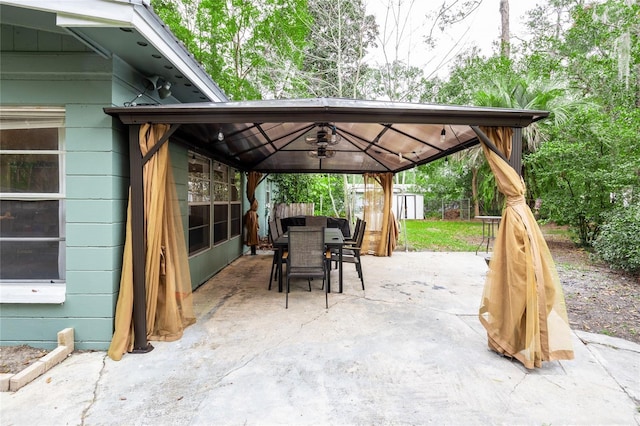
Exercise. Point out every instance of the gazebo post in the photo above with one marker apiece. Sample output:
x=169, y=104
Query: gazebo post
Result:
x=516, y=150
x=136, y=165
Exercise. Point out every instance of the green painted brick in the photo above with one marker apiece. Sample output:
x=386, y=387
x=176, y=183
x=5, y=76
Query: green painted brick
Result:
x=94, y=235
x=96, y=211
x=94, y=258
x=75, y=306
x=43, y=332
x=97, y=187
x=87, y=282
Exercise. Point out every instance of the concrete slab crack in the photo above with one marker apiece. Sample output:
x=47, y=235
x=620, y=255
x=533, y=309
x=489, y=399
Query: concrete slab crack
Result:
x=94, y=395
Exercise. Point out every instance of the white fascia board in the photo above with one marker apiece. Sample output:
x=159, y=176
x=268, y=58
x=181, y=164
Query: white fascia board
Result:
x=172, y=49
x=107, y=10
x=66, y=20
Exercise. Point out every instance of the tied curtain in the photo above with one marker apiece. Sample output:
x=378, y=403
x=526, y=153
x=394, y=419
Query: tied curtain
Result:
x=381, y=234
x=251, y=216
x=523, y=307
x=169, y=302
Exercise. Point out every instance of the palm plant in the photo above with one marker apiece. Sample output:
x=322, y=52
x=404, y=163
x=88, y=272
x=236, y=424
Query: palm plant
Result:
x=532, y=93
x=523, y=92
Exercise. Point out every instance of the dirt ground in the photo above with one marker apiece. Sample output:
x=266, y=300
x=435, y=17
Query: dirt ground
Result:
x=598, y=300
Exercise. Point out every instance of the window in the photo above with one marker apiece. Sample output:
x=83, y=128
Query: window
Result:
x=236, y=203
x=32, y=209
x=215, y=203
x=221, y=202
x=199, y=198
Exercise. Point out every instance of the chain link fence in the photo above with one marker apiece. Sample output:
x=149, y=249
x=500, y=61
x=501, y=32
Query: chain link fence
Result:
x=447, y=209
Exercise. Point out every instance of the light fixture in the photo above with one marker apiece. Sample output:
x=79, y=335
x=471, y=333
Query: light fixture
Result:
x=165, y=90
x=151, y=84
x=322, y=152
x=443, y=135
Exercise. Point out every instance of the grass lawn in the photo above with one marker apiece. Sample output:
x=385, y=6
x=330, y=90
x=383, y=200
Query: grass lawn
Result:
x=440, y=235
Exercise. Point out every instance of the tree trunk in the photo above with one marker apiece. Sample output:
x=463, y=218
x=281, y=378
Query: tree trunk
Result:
x=474, y=191
x=505, y=47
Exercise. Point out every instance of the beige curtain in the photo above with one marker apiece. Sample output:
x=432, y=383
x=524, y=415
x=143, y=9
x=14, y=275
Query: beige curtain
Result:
x=251, y=216
x=381, y=234
x=523, y=307
x=167, y=277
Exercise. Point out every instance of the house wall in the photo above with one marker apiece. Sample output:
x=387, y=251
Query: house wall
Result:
x=205, y=264
x=42, y=69
x=38, y=70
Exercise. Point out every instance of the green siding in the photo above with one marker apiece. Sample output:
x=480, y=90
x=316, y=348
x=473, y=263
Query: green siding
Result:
x=93, y=282
x=39, y=68
x=96, y=211
x=88, y=258
x=96, y=190
x=97, y=187
x=94, y=234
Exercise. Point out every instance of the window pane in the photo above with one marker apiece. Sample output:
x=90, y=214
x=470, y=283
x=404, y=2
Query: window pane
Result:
x=198, y=228
x=26, y=260
x=199, y=191
x=29, y=139
x=35, y=219
x=22, y=173
x=236, y=223
x=220, y=223
x=236, y=183
x=220, y=191
x=220, y=172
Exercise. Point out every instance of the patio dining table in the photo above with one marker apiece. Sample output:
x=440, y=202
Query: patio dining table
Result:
x=333, y=239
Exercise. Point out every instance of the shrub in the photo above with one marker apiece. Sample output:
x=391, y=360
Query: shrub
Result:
x=619, y=241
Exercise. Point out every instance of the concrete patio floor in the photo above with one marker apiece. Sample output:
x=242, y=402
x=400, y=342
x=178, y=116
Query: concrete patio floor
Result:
x=407, y=350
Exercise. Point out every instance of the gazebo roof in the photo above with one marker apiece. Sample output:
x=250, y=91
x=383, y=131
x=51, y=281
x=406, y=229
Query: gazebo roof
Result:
x=270, y=136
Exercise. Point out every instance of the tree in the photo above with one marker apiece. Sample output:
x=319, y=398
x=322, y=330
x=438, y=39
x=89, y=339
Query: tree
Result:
x=251, y=49
x=588, y=169
x=505, y=40
x=339, y=34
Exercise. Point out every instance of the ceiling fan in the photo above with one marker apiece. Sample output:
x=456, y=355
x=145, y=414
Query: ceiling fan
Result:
x=326, y=135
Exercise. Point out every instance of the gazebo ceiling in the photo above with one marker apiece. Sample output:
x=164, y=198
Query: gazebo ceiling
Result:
x=270, y=136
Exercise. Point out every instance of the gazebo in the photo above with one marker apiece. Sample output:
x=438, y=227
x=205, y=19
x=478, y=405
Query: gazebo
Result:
x=352, y=136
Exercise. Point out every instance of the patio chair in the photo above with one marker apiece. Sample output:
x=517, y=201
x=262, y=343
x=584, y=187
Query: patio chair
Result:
x=307, y=257
x=351, y=252
x=273, y=236
x=354, y=235
x=316, y=221
x=278, y=223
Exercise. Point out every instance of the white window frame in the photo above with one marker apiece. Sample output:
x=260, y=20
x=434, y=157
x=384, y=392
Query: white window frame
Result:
x=238, y=202
x=218, y=202
x=32, y=117
x=195, y=157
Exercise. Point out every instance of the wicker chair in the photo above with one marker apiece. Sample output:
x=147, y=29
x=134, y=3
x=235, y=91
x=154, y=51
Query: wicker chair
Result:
x=307, y=257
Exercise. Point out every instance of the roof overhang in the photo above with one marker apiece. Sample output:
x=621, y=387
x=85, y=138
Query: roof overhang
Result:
x=128, y=29
x=269, y=136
